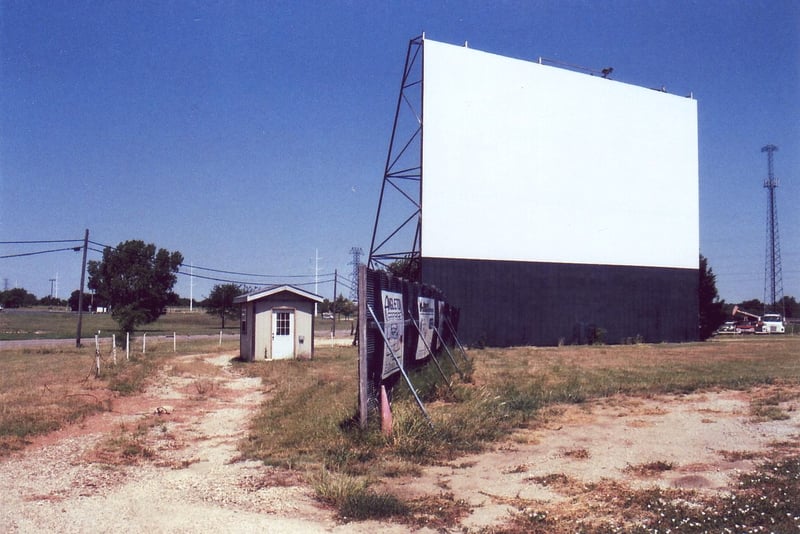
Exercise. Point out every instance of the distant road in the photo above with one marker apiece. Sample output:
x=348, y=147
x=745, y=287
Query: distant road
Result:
x=322, y=338
x=23, y=343
x=87, y=341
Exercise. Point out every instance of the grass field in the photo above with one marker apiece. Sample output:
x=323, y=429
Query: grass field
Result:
x=308, y=422
x=42, y=323
x=37, y=323
x=308, y=425
x=43, y=389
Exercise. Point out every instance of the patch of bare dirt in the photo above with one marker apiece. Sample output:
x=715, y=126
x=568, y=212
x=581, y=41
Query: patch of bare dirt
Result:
x=700, y=442
x=164, y=461
x=167, y=461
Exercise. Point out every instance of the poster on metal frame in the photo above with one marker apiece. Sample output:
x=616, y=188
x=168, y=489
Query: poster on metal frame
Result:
x=394, y=327
x=427, y=315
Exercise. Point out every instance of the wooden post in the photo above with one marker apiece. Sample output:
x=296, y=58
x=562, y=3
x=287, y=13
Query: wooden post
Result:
x=114, y=347
x=174, y=342
x=97, y=356
x=127, y=346
x=220, y=338
x=144, y=343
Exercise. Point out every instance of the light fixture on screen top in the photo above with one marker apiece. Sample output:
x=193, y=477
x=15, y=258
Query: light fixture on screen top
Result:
x=605, y=72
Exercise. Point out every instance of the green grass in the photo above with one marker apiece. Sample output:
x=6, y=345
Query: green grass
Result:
x=354, y=500
x=40, y=323
x=310, y=399
x=43, y=389
x=130, y=377
x=308, y=421
x=126, y=445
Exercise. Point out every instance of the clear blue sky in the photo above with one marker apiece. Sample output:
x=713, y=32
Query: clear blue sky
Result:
x=248, y=135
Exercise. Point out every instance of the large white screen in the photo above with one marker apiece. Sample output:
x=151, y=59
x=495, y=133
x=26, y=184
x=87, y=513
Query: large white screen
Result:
x=523, y=161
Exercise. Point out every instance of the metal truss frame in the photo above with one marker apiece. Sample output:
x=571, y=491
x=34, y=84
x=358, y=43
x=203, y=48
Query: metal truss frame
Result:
x=395, y=220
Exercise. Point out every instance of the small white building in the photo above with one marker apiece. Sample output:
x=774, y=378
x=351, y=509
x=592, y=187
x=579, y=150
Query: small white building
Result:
x=277, y=323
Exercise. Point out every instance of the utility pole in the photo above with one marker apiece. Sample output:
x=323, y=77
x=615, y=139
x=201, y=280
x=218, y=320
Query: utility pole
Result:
x=80, y=291
x=333, y=306
x=773, y=276
x=316, y=277
x=191, y=286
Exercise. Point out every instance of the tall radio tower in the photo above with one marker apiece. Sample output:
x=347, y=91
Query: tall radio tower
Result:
x=773, y=275
x=355, y=262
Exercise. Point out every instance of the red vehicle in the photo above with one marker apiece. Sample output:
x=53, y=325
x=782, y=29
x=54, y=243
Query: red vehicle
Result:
x=746, y=327
x=751, y=324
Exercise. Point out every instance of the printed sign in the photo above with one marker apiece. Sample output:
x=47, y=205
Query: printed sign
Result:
x=440, y=322
x=393, y=328
x=427, y=316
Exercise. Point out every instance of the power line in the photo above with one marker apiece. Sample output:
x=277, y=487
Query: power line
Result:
x=40, y=242
x=291, y=277
x=225, y=280
x=222, y=271
x=249, y=282
x=345, y=284
x=259, y=275
x=75, y=249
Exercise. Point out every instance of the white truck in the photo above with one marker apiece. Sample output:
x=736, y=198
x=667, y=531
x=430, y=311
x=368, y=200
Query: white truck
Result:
x=770, y=323
x=773, y=323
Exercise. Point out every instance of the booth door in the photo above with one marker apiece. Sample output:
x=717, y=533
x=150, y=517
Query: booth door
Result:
x=282, y=334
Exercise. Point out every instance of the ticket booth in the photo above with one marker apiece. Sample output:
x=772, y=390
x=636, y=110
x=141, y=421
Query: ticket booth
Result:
x=277, y=323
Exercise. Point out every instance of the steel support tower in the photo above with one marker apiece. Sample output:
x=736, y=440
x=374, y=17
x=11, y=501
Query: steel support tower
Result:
x=773, y=275
x=355, y=262
x=396, y=236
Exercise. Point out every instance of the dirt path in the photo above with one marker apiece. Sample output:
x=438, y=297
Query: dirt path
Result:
x=182, y=474
x=136, y=470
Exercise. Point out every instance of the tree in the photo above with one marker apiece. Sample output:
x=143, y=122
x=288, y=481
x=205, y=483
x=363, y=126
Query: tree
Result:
x=90, y=301
x=752, y=306
x=185, y=302
x=791, y=307
x=710, y=307
x=52, y=301
x=17, y=298
x=136, y=281
x=73, y=301
x=407, y=268
x=345, y=306
x=220, y=301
